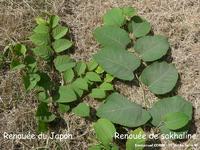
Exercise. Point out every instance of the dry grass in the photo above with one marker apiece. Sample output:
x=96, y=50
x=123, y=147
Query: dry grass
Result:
x=176, y=19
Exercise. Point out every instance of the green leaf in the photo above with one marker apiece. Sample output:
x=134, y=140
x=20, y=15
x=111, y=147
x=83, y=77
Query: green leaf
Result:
x=98, y=93
x=169, y=105
x=129, y=12
x=99, y=70
x=40, y=20
x=92, y=65
x=81, y=84
x=108, y=78
x=20, y=49
x=175, y=120
x=63, y=108
x=80, y=68
x=16, y=65
x=92, y=76
x=43, y=114
x=40, y=38
x=77, y=90
x=59, y=31
x=42, y=126
x=68, y=75
x=160, y=77
x=138, y=139
x=114, y=17
x=110, y=36
x=42, y=28
x=105, y=131
x=45, y=81
x=43, y=96
x=67, y=94
x=54, y=20
x=118, y=62
x=140, y=28
x=30, y=81
x=61, y=45
x=82, y=110
x=43, y=51
x=30, y=63
x=63, y=63
x=120, y=110
x=151, y=48
x=106, y=86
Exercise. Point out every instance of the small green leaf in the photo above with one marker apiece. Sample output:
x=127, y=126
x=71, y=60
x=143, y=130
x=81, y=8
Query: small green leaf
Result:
x=129, y=12
x=106, y=86
x=80, y=68
x=42, y=28
x=59, y=31
x=54, y=20
x=16, y=65
x=139, y=138
x=63, y=108
x=63, y=63
x=82, y=110
x=105, y=131
x=67, y=94
x=118, y=62
x=160, y=77
x=140, y=28
x=81, y=84
x=61, y=45
x=43, y=51
x=40, y=38
x=108, y=78
x=68, y=75
x=92, y=65
x=99, y=70
x=20, y=49
x=30, y=81
x=114, y=17
x=111, y=36
x=92, y=76
x=175, y=120
x=151, y=48
x=97, y=93
x=40, y=20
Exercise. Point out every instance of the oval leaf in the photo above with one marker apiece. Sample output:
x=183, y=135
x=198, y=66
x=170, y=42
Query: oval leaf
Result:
x=118, y=62
x=152, y=48
x=120, y=110
x=160, y=77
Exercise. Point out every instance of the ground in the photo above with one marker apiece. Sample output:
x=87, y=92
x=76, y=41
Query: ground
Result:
x=176, y=19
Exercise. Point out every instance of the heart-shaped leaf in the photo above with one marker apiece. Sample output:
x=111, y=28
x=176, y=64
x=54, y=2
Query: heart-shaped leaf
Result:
x=120, y=110
x=118, y=62
x=151, y=48
x=110, y=36
x=66, y=94
x=80, y=83
x=61, y=45
x=160, y=77
x=63, y=63
x=105, y=131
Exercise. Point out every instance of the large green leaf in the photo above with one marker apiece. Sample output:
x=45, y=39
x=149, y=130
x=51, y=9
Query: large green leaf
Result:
x=110, y=36
x=175, y=120
x=105, y=131
x=61, y=45
x=114, y=17
x=118, y=62
x=152, y=48
x=43, y=51
x=139, y=138
x=139, y=28
x=63, y=63
x=82, y=110
x=59, y=32
x=120, y=110
x=160, y=77
x=66, y=94
x=169, y=105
